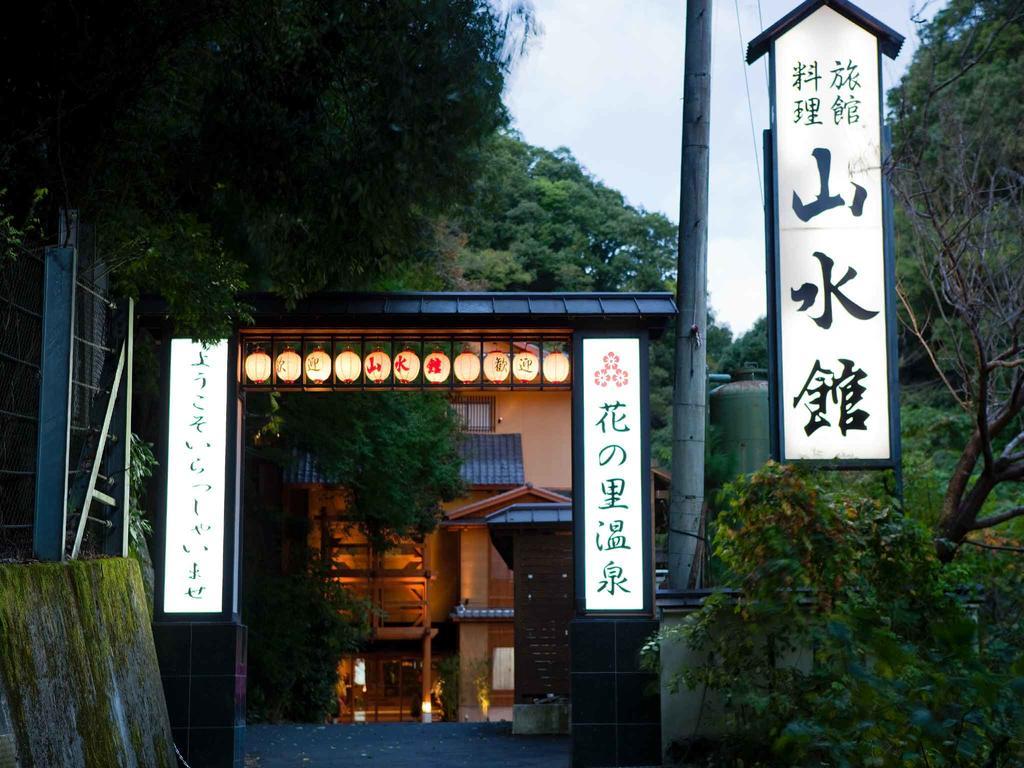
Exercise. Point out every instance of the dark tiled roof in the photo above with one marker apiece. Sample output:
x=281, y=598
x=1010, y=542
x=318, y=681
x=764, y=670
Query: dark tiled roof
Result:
x=486, y=460
x=531, y=514
x=304, y=470
x=492, y=459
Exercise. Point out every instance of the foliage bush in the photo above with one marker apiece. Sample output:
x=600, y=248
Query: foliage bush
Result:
x=300, y=625
x=840, y=640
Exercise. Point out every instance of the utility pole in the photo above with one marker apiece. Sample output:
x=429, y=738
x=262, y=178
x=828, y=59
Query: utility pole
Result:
x=690, y=391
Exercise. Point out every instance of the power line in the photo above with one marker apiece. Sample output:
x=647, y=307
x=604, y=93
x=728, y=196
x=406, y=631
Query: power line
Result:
x=750, y=106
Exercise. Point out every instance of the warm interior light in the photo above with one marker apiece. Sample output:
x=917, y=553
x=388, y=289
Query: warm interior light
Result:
x=556, y=367
x=407, y=366
x=347, y=366
x=258, y=366
x=437, y=367
x=467, y=367
x=496, y=367
x=377, y=366
x=525, y=366
x=318, y=365
x=288, y=365
x=426, y=707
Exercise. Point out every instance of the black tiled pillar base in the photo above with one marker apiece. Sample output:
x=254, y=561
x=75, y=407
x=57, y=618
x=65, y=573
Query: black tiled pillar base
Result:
x=616, y=707
x=202, y=667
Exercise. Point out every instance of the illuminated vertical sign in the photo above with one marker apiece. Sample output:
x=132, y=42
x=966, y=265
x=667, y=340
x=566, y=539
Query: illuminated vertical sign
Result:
x=615, y=481
x=197, y=436
x=833, y=361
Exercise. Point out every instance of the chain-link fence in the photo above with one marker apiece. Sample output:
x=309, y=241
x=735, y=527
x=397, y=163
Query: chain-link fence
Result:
x=21, y=330
x=91, y=346
x=21, y=311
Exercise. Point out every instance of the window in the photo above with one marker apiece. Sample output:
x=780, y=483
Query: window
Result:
x=476, y=413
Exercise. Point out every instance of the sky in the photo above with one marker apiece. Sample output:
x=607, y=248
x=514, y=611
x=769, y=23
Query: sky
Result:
x=604, y=78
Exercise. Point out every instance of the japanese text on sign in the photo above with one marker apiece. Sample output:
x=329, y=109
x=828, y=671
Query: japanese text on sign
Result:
x=613, y=530
x=197, y=431
x=832, y=347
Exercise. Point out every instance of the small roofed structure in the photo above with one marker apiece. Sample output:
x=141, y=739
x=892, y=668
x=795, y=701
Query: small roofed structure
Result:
x=889, y=40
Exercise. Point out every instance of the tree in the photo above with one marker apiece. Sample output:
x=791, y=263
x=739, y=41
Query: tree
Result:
x=839, y=639
x=956, y=169
x=538, y=221
x=395, y=454
x=228, y=144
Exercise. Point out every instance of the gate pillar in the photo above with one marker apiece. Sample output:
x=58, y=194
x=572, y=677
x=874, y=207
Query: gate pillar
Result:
x=616, y=706
x=200, y=641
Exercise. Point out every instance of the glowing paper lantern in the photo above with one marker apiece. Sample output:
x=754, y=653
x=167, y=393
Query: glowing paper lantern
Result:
x=347, y=366
x=318, y=366
x=556, y=367
x=377, y=366
x=437, y=367
x=525, y=366
x=258, y=366
x=467, y=367
x=496, y=367
x=407, y=366
x=288, y=365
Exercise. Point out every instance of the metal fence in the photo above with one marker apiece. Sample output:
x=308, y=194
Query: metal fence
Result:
x=21, y=311
x=21, y=329
x=91, y=346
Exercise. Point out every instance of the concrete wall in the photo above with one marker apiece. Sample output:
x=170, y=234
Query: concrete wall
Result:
x=687, y=714
x=79, y=683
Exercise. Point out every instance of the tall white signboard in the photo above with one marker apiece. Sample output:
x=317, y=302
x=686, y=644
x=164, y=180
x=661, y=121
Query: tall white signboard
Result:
x=197, y=435
x=832, y=336
x=614, y=477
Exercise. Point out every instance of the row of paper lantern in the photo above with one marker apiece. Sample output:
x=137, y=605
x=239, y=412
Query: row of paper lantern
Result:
x=377, y=366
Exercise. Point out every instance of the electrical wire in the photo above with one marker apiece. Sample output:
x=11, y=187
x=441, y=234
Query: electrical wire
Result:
x=750, y=106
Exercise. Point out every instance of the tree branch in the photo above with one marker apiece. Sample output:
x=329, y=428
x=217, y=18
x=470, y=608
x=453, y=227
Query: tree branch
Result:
x=996, y=519
x=997, y=547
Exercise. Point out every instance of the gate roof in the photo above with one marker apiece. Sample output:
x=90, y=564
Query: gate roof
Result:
x=465, y=310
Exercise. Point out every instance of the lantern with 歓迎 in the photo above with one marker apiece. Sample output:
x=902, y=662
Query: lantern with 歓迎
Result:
x=437, y=367
x=377, y=366
x=556, y=367
x=407, y=366
x=347, y=366
x=467, y=367
x=525, y=366
x=318, y=366
x=258, y=366
x=496, y=367
x=288, y=366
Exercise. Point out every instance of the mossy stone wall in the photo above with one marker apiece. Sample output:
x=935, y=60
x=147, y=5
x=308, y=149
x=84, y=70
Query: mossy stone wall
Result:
x=78, y=668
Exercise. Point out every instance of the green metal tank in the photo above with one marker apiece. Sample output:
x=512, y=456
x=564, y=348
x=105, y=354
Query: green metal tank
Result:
x=739, y=411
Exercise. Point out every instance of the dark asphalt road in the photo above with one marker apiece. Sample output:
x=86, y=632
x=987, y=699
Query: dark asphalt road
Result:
x=401, y=745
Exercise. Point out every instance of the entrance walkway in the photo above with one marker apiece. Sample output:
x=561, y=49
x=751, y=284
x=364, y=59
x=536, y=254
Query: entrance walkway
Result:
x=401, y=745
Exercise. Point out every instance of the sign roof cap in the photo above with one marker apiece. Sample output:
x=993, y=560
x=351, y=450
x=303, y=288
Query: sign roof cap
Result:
x=889, y=40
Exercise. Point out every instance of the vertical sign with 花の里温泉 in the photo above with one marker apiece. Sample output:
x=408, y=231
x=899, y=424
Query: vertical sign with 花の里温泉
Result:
x=832, y=326
x=196, y=472
x=614, y=511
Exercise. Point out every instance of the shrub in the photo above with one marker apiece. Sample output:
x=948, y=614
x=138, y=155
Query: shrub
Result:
x=894, y=675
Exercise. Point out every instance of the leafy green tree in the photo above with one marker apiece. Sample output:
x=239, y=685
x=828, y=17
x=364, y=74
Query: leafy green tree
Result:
x=396, y=454
x=750, y=348
x=956, y=168
x=840, y=640
x=537, y=220
x=227, y=144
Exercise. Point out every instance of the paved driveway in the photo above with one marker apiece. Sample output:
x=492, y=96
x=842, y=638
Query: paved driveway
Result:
x=401, y=745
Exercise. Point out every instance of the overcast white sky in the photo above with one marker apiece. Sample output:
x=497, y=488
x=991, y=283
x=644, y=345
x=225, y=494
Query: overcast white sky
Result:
x=605, y=77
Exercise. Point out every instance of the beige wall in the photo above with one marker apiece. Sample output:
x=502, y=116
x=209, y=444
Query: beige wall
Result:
x=443, y=589
x=474, y=558
x=544, y=419
x=473, y=654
